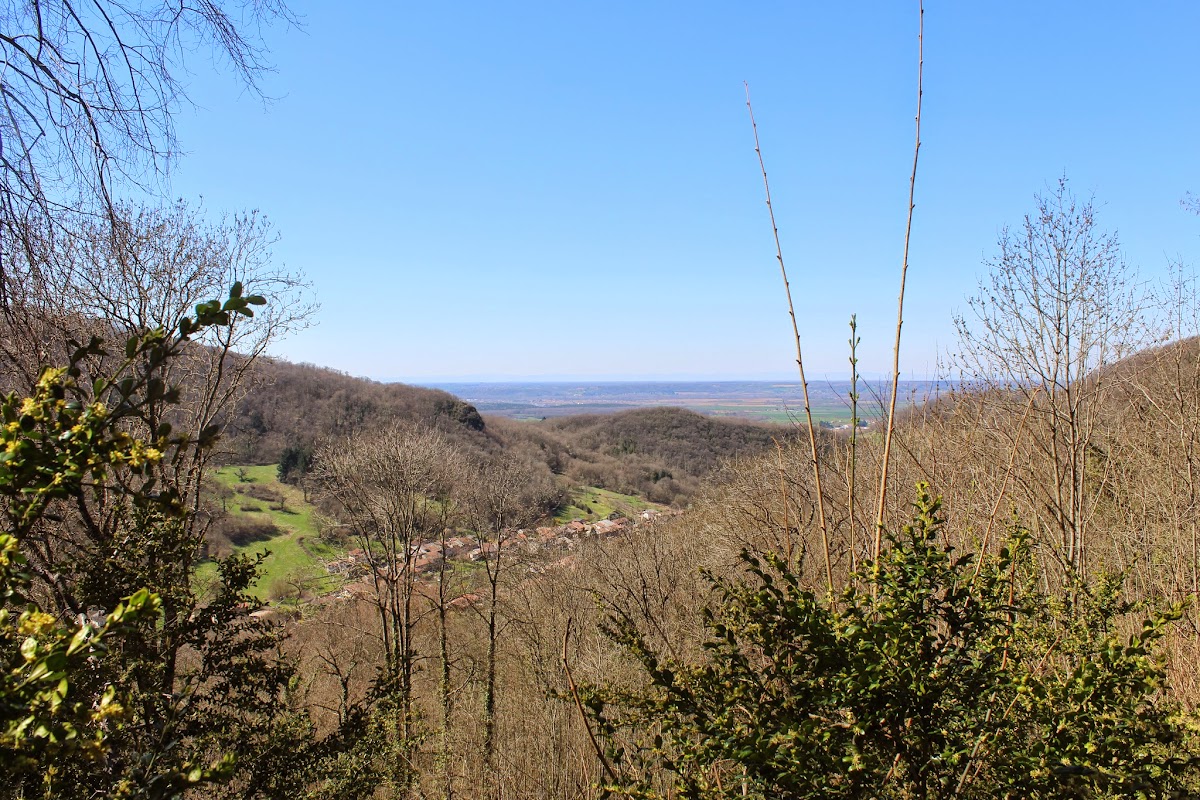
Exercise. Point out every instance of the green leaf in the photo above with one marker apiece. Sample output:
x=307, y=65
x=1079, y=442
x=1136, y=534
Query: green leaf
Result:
x=81, y=639
x=29, y=648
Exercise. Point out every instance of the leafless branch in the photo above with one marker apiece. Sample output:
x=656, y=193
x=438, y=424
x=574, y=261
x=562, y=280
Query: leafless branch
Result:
x=812, y=431
x=912, y=184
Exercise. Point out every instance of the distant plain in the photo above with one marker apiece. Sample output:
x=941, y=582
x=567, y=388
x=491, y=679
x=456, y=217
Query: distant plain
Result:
x=770, y=401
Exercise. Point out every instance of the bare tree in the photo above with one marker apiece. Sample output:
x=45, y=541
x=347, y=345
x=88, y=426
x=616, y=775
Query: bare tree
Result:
x=89, y=90
x=393, y=489
x=1058, y=307
x=146, y=269
x=87, y=97
x=504, y=495
x=147, y=273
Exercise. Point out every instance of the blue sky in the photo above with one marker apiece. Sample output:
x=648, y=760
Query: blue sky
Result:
x=569, y=190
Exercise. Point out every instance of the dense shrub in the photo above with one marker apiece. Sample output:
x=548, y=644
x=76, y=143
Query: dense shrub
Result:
x=240, y=532
x=294, y=463
x=264, y=493
x=930, y=676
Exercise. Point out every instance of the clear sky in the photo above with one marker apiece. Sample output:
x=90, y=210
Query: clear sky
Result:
x=533, y=190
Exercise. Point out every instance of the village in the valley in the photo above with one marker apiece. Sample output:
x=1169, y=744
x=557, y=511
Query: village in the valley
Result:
x=536, y=549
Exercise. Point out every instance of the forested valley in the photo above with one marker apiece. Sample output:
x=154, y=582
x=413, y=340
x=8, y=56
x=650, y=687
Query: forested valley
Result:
x=225, y=575
x=638, y=603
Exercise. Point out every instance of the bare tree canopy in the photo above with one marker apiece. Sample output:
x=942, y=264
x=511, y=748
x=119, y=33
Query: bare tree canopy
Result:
x=87, y=97
x=88, y=90
x=1058, y=309
x=1059, y=302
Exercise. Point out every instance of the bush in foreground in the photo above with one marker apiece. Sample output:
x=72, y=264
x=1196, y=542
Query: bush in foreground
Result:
x=932, y=675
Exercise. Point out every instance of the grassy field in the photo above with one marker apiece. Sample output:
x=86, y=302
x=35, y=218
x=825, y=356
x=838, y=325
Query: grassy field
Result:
x=834, y=415
x=297, y=552
x=590, y=503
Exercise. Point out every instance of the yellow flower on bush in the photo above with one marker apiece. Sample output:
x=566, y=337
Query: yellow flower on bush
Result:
x=36, y=623
x=51, y=378
x=139, y=455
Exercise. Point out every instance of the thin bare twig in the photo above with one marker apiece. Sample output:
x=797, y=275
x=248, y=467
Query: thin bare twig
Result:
x=912, y=184
x=612, y=775
x=783, y=494
x=853, y=461
x=812, y=432
x=1012, y=460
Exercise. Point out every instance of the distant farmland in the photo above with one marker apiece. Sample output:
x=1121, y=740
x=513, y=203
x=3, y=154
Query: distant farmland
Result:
x=763, y=400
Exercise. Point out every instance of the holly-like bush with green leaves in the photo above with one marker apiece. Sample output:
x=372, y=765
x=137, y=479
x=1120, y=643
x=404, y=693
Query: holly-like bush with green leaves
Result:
x=42, y=718
x=70, y=439
x=931, y=676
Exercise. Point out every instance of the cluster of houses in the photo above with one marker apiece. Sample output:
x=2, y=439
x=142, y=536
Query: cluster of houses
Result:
x=428, y=557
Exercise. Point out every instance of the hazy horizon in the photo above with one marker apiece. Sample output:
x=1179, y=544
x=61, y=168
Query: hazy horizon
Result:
x=436, y=381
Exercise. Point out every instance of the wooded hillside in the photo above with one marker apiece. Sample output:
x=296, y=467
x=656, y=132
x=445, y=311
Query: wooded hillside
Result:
x=662, y=454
